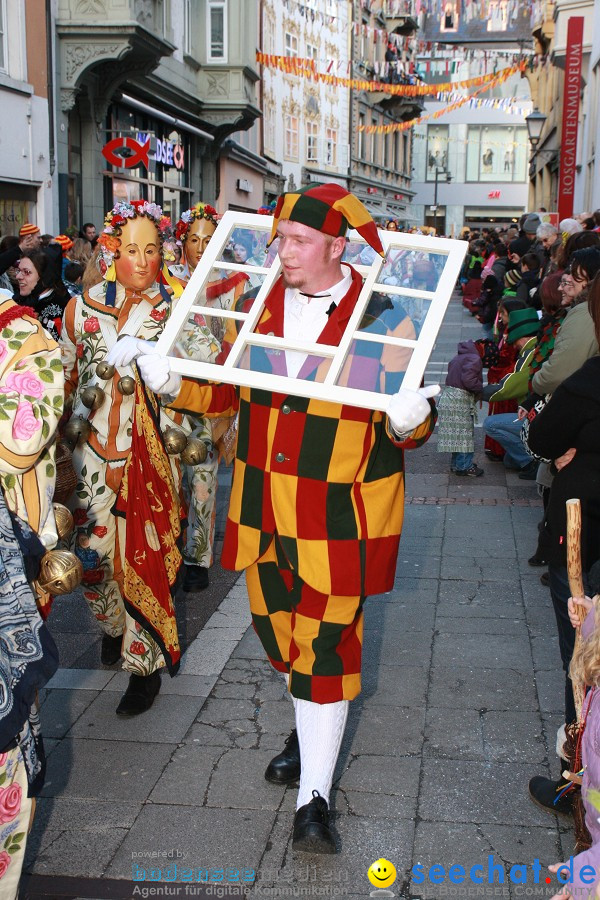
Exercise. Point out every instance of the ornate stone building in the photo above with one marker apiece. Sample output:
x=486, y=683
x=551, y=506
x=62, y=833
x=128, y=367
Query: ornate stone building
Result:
x=27, y=159
x=178, y=72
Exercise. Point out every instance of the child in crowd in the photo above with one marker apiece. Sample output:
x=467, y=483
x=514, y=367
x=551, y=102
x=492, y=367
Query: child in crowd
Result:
x=457, y=413
x=585, y=667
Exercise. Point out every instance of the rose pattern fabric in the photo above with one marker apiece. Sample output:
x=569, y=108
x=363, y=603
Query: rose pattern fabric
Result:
x=10, y=802
x=25, y=423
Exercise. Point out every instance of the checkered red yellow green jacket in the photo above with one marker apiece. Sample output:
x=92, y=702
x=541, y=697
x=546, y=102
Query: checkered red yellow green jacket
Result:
x=327, y=478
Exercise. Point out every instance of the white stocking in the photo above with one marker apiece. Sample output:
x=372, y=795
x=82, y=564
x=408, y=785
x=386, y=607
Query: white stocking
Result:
x=286, y=678
x=320, y=729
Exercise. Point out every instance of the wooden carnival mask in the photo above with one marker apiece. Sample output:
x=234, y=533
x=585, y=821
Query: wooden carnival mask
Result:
x=140, y=256
x=197, y=240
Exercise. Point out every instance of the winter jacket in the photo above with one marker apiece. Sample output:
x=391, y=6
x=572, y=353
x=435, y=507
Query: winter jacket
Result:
x=514, y=385
x=575, y=343
x=572, y=419
x=466, y=370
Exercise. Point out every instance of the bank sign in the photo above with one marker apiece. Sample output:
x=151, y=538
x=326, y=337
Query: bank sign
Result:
x=168, y=153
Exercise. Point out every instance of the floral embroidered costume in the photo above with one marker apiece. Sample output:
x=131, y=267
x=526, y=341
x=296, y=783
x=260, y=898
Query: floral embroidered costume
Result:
x=194, y=230
x=31, y=404
x=131, y=301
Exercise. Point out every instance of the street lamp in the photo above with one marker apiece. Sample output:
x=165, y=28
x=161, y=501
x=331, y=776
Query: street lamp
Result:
x=439, y=170
x=535, y=123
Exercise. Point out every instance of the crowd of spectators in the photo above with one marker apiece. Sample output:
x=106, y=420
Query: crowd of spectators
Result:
x=536, y=292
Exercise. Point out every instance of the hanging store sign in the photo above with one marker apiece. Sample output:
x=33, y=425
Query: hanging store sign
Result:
x=127, y=152
x=570, y=119
x=168, y=153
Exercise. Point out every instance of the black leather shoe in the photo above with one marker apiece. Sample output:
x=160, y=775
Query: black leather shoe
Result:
x=110, y=652
x=537, y=560
x=196, y=578
x=311, y=827
x=529, y=472
x=285, y=767
x=544, y=791
x=140, y=694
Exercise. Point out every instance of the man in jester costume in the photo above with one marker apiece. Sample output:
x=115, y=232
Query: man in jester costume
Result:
x=126, y=507
x=316, y=504
x=195, y=229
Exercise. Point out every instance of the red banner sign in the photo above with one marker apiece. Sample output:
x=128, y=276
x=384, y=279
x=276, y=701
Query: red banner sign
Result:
x=570, y=119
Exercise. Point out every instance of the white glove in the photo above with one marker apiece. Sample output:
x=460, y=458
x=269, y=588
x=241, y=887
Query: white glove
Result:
x=157, y=375
x=127, y=349
x=407, y=409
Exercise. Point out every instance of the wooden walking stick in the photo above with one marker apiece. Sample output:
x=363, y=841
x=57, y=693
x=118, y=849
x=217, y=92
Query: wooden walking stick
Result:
x=574, y=731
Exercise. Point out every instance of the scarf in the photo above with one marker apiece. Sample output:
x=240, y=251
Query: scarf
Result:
x=149, y=501
x=28, y=655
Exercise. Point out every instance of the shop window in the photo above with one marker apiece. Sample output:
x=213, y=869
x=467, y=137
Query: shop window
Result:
x=291, y=137
x=437, y=150
x=291, y=45
x=217, y=30
x=331, y=137
x=312, y=131
x=496, y=153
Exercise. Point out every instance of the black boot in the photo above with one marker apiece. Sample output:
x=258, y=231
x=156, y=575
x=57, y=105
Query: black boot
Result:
x=110, y=651
x=196, y=578
x=544, y=793
x=140, y=694
x=285, y=767
x=311, y=827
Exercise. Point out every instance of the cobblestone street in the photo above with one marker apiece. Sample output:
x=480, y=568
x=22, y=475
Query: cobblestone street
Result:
x=462, y=693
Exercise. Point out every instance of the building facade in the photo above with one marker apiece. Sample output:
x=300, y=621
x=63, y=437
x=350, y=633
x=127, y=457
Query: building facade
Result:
x=381, y=161
x=484, y=152
x=306, y=126
x=27, y=155
x=180, y=74
x=550, y=23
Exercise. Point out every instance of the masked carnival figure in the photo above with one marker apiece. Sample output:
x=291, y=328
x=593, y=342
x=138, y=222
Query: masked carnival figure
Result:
x=206, y=340
x=126, y=505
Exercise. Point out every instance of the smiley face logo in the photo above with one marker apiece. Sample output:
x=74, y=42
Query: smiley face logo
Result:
x=381, y=873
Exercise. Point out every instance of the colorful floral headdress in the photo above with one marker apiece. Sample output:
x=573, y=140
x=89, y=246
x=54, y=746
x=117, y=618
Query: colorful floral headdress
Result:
x=198, y=211
x=110, y=241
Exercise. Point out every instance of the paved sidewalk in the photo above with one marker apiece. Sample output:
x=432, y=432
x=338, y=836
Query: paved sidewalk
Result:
x=462, y=692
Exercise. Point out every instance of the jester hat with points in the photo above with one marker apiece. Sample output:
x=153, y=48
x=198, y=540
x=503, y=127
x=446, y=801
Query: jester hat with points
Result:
x=328, y=208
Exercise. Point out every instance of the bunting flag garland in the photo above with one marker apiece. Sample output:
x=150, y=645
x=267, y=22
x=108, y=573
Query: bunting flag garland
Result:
x=404, y=126
x=306, y=68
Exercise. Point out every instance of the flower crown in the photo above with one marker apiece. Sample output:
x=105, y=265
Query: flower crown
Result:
x=122, y=211
x=198, y=211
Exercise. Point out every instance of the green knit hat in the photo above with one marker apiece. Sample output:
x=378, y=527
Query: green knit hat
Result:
x=522, y=323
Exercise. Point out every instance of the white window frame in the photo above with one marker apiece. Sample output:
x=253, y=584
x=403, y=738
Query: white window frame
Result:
x=210, y=6
x=327, y=390
x=291, y=45
x=312, y=141
x=291, y=152
x=331, y=139
x=3, y=40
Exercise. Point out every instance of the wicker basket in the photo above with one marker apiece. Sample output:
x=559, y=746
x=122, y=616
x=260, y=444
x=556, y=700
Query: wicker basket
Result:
x=66, y=479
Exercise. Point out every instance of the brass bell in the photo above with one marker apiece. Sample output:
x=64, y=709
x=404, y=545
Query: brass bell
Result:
x=64, y=521
x=76, y=429
x=126, y=385
x=175, y=441
x=104, y=370
x=60, y=572
x=194, y=452
x=92, y=397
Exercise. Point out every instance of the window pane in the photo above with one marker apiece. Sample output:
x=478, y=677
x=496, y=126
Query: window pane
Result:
x=217, y=32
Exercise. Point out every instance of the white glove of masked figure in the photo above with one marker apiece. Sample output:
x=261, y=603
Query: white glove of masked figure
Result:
x=157, y=375
x=408, y=409
x=127, y=349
